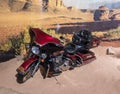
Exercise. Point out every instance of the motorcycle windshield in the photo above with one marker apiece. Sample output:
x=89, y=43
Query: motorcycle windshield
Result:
x=42, y=38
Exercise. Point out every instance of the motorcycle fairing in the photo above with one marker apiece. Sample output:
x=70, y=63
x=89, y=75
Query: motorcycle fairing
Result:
x=41, y=38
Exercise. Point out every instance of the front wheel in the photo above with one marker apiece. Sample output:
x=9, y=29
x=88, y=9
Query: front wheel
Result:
x=22, y=78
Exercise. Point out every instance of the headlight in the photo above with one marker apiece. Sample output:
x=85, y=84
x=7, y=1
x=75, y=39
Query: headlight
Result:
x=35, y=50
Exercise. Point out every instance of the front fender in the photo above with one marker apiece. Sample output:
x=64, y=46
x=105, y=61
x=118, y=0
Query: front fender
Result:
x=26, y=64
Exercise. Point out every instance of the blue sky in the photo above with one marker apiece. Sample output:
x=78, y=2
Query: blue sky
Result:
x=87, y=3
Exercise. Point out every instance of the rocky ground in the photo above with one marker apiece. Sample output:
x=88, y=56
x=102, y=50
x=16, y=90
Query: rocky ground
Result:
x=98, y=77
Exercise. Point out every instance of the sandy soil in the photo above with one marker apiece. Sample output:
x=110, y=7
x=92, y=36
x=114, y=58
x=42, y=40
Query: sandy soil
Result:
x=98, y=77
x=111, y=43
x=14, y=23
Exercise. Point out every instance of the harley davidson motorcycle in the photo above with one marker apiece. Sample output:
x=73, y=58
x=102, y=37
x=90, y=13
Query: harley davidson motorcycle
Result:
x=48, y=54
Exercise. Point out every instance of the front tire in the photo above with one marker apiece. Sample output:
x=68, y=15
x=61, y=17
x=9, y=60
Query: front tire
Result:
x=23, y=78
x=20, y=78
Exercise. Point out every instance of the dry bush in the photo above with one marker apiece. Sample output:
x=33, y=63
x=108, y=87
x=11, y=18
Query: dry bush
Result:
x=17, y=42
x=111, y=34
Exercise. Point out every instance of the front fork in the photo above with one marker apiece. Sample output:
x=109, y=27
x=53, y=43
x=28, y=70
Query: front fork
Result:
x=36, y=68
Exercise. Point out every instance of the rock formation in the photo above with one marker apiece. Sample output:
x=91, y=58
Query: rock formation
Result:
x=19, y=5
x=101, y=14
x=26, y=5
x=30, y=5
x=16, y=5
x=4, y=5
x=115, y=14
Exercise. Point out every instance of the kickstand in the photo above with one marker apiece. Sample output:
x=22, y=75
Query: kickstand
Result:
x=57, y=81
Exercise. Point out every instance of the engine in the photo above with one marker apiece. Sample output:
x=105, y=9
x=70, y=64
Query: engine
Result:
x=61, y=63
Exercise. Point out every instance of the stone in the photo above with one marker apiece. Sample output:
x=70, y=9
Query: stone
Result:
x=113, y=51
x=110, y=51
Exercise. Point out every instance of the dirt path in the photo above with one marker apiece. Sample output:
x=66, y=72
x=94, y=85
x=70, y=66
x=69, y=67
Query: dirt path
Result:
x=112, y=43
x=98, y=77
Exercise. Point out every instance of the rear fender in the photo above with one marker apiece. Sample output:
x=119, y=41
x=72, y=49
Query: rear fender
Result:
x=74, y=56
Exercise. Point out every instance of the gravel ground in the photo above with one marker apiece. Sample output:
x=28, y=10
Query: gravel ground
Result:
x=98, y=77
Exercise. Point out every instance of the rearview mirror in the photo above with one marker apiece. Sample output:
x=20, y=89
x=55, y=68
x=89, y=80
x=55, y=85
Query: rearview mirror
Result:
x=62, y=38
x=27, y=46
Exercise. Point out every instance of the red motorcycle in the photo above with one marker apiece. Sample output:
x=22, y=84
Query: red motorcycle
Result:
x=48, y=54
